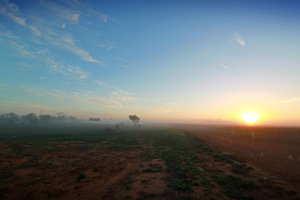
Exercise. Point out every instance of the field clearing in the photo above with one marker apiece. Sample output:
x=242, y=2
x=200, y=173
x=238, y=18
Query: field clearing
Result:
x=276, y=150
x=98, y=162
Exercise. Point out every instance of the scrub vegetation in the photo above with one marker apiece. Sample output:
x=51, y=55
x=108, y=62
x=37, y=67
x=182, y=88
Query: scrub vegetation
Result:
x=85, y=161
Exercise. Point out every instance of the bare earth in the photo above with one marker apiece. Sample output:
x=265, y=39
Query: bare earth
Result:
x=83, y=170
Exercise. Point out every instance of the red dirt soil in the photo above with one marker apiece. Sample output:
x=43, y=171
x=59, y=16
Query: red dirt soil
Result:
x=53, y=172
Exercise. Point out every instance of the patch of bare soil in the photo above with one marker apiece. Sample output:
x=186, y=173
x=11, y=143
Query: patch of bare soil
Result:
x=81, y=170
x=273, y=151
x=78, y=170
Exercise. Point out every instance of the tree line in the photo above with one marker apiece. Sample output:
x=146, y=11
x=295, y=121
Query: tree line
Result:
x=32, y=118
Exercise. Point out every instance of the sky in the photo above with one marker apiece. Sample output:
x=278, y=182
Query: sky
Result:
x=175, y=61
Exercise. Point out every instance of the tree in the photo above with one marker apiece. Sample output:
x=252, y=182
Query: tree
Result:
x=31, y=118
x=9, y=118
x=61, y=117
x=46, y=118
x=72, y=119
x=135, y=119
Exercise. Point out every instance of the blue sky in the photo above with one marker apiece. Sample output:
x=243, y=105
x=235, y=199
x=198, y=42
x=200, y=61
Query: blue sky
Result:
x=164, y=60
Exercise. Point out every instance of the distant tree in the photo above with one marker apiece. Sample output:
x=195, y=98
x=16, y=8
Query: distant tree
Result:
x=2, y=119
x=9, y=118
x=135, y=119
x=31, y=118
x=72, y=119
x=61, y=117
x=46, y=118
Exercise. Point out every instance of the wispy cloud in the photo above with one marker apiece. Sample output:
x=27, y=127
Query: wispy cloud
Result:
x=122, y=59
x=88, y=97
x=116, y=93
x=239, y=40
x=104, y=18
x=11, y=10
x=113, y=88
x=85, y=55
x=22, y=48
x=98, y=44
x=100, y=82
x=160, y=110
x=35, y=30
x=76, y=72
x=293, y=100
x=69, y=71
x=110, y=46
x=25, y=105
x=121, y=97
x=44, y=56
x=17, y=19
x=3, y=87
x=72, y=16
x=107, y=45
x=68, y=43
x=224, y=66
x=125, y=66
x=63, y=12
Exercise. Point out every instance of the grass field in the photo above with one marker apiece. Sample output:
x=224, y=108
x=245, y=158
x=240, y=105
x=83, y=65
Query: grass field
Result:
x=99, y=162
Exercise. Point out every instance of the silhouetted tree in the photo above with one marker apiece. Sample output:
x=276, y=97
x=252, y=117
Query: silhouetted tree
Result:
x=61, y=117
x=46, y=118
x=72, y=119
x=9, y=118
x=135, y=119
x=12, y=118
x=31, y=118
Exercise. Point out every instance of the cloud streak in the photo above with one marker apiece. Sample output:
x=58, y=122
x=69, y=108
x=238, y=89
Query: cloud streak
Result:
x=112, y=100
x=86, y=97
x=24, y=105
x=125, y=66
x=74, y=73
x=293, y=100
x=11, y=10
x=110, y=87
x=67, y=42
x=62, y=12
x=44, y=56
x=45, y=26
x=17, y=19
x=239, y=40
x=224, y=66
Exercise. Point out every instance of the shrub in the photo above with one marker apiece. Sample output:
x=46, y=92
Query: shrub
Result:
x=81, y=176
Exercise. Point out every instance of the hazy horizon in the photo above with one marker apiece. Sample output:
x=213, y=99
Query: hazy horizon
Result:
x=165, y=61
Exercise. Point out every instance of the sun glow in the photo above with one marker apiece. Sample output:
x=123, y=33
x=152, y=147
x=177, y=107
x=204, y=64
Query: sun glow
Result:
x=250, y=117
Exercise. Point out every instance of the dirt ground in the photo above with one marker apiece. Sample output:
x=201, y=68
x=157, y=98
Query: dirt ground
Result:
x=275, y=150
x=83, y=170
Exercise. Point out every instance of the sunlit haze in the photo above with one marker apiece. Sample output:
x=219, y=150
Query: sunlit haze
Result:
x=250, y=117
x=166, y=61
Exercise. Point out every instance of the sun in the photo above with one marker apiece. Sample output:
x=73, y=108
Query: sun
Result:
x=250, y=117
